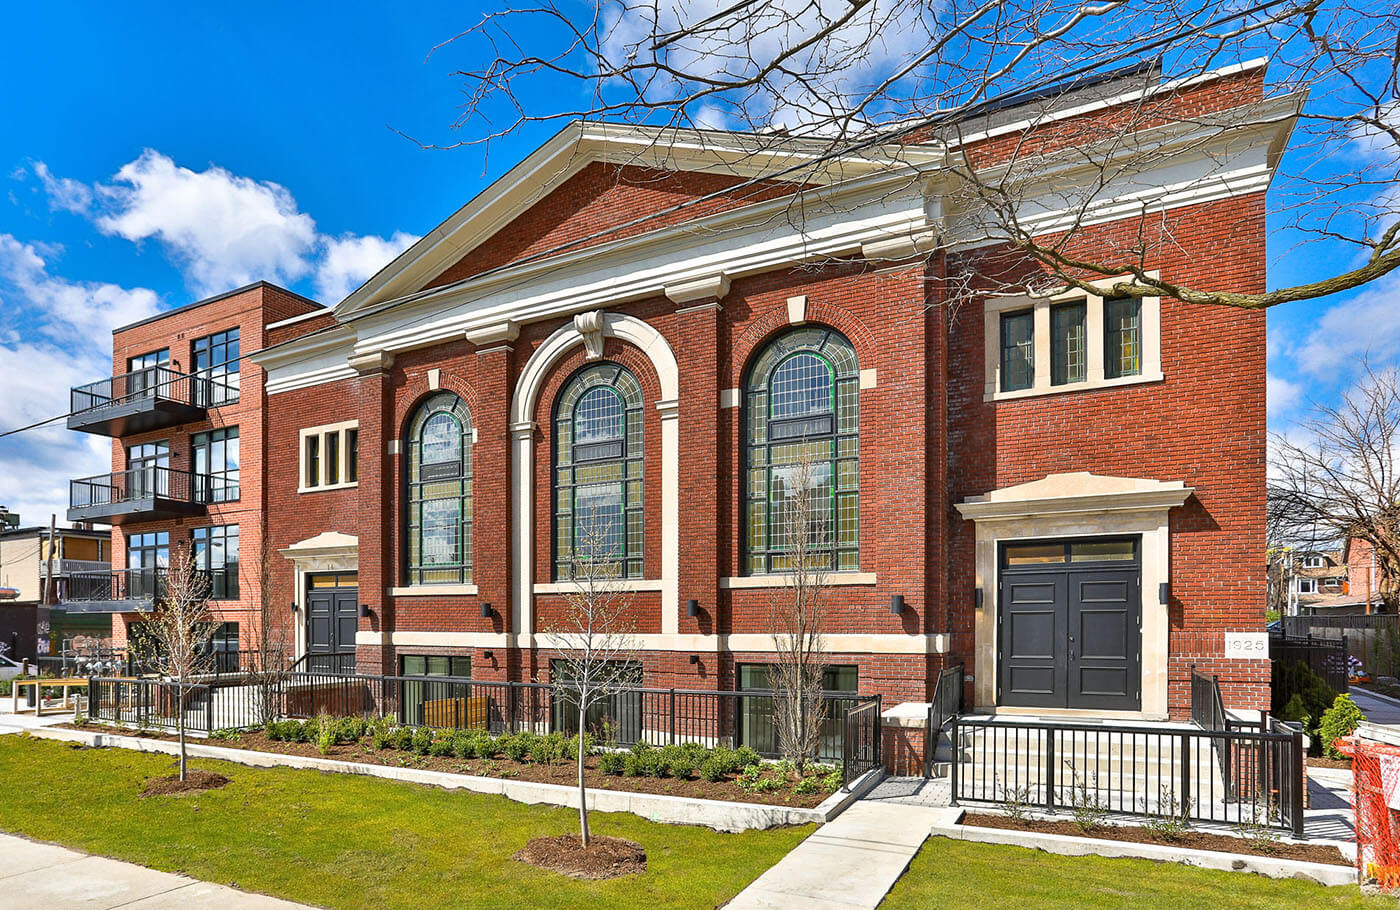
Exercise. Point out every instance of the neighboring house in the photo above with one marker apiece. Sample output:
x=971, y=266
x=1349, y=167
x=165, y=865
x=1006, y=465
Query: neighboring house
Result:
x=35, y=622
x=1066, y=496
x=1338, y=582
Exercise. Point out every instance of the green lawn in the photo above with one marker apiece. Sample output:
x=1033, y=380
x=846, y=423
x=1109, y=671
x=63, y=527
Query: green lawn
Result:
x=345, y=841
x=949, y=873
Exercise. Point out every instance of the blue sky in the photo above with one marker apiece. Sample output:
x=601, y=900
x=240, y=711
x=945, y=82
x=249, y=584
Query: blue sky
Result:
x=152, y=157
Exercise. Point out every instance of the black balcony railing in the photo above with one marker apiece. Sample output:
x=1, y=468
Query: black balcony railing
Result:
x=146, y=493
x=146, y=399
x=138, y=588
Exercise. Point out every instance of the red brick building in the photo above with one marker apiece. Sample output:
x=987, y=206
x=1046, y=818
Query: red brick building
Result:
x=1065, y=494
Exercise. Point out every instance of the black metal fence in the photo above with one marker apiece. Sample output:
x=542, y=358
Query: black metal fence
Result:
x=157, y=382
x=1373, y=639
x=947, y=703
x=1324, y=656
x=326, y=662
x=152, y=704
x=1230, y=776
x=860, y=746
x=149, y=482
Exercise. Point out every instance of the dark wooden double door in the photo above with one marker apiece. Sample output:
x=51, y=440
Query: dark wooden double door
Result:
x=1070, y=630
x=332, y=617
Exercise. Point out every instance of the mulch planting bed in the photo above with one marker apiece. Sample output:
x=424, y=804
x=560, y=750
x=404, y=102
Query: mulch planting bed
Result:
x=1343, y=764
x=562, y=773
x=195, y=781
x=606, y=857
x=1193, y=840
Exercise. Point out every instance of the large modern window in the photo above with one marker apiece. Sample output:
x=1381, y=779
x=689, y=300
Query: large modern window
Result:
x=1122, y=344
x=147, y=375
x=802, y=489
x=1017, y=350
x=598, y=524
x=617, y=718
x=216, y=552
x=216, y=464
x=148, y=470
x=1068, y=355
x=440, y=492
x=440, y=704
x=757, y=722
x=216, y=360
x=147, y=558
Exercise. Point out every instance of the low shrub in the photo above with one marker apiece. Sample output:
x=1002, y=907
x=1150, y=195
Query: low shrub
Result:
x=806, y=786
x=713, y=769
x=422, y=740
x=488, y=746
x=833, y=781
x=546, y=750
x=381, y=733
x=440, y=748
x=463, y=745
x=517, y=746
x=1338, y=721
x=324, y=733
x=612, y=763
x=402, y=739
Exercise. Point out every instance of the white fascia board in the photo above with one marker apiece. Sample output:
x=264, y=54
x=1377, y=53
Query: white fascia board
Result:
x=332, y=338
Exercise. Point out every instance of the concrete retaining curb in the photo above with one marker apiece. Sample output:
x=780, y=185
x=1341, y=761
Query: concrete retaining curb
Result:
x=656, y=807
x=1066, y=845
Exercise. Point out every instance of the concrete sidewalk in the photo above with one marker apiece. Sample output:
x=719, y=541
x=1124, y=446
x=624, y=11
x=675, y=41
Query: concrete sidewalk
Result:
x=47, y=877
x=850, y=862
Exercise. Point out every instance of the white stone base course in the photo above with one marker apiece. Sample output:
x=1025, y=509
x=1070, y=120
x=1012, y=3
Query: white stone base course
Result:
x=1067, y=845
x=711, y=813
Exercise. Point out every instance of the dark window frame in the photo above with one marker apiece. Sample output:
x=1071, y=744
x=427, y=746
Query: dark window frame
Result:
x=1006, y=349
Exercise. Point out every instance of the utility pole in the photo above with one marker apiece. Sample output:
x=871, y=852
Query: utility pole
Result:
x=48, y=559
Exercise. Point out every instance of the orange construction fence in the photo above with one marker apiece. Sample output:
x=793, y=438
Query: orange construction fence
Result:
x=1375, y=771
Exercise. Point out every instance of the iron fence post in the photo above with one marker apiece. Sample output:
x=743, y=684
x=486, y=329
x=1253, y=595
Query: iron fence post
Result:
x=1050, y=768
x=510, y=701
x=1186, y=769
x=673, y=716
x=209, y=709
x=1298, y=781
x=953, y=799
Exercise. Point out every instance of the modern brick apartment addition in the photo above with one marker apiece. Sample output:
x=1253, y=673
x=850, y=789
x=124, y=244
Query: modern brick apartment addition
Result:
x=425, y=455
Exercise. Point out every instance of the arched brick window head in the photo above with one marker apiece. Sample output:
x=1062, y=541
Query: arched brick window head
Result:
x=598, y=473
x=802, y=430
x=440, y=492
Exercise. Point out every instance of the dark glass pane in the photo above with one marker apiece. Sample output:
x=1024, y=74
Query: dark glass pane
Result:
x=1101, y=550
x=1017, y=350
x=1025, y=554
x=1067, y=350
x=1122, y=319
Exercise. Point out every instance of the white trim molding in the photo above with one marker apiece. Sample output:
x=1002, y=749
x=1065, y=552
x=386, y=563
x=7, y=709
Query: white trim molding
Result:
x=433, y=591
x=343, y=463
x=329, y=551
x=830, y=580
x=615, y=584
x=1077, y=505
x=653, y=344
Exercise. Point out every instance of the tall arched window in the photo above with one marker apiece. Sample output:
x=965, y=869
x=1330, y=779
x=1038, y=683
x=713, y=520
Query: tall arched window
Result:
x=803, y=433
x=440, y=492
x=598, y=472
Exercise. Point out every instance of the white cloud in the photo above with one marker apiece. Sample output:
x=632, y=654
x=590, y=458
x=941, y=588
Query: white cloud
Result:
x=1283, y=395
x=223, y=230
x=1366, y=325
x=65, y=194
x=347, y=261
x=54, y=334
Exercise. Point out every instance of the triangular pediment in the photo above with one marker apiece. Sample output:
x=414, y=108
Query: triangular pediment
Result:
x=1077, y=491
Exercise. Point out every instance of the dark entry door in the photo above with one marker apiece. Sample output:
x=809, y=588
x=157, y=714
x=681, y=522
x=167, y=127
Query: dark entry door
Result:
x=1069, y=625
x=332, y=617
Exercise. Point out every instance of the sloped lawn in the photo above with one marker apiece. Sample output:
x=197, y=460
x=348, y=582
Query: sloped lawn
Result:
x=949, y=873
x=345, y=841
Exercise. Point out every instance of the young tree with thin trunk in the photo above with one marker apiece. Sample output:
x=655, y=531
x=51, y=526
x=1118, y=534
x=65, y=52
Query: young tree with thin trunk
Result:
x=797, y=617
x=595, y=637
x=1336, y=477
x=178, y=633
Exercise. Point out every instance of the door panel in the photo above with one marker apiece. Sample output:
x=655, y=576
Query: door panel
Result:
x=1033, y=631
x=1104, y=659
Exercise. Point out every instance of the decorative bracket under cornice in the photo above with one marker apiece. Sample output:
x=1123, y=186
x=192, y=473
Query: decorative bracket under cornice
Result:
x=496, y=333
x=371, y=362
x=711, y=287
x=893, y=249
x=590, y=326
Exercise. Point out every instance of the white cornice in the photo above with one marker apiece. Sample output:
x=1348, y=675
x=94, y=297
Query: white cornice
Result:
x=1075, y=493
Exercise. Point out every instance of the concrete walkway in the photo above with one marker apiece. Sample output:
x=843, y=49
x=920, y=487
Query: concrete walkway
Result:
x=46, y=877
x=850, y=862
x=1383, y=712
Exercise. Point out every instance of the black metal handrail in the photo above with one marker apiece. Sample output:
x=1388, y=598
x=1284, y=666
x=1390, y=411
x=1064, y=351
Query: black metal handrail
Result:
x=947, y=703
x=157, y=382
x=1155, y=771
x=324, y=662
x=139, y=584
x=151, y=482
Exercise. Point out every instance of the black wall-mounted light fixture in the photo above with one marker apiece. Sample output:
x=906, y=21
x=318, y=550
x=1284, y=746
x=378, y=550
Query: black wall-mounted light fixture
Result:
x=1164, y=593
x=896, y=604
x=486, y=610
x=977, y=598
x=364, y=611
x=489, y=655
x=692, y=608
x=695, y=658
x=294, y=606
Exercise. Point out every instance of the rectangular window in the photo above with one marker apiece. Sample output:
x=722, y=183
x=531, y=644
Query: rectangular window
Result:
x=1017, y=350
x=444, y=705
x=1068, y=362
x=1307, y=586
x=332, y=458
x=352, y=455
x=149, y=374
x=223, y=645
x=216, y=364
x=147, y=470
x=757, y=728
x=1122, y=323
x=216, y=552
x=618, y=716
x=329, y=456
x=216, y=464
x=147, y=557
x=313, y=461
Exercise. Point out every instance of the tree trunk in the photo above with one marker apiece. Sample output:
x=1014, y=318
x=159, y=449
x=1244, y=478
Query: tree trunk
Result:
x=180, y=722
x=582, y=791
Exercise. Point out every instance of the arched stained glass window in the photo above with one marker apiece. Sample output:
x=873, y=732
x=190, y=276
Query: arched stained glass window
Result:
x=440, y=492
x=598, y=473
x=802, y=425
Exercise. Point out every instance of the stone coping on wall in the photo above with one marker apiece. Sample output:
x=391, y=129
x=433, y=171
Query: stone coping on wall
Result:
x=1068, y=845
x=711, y=813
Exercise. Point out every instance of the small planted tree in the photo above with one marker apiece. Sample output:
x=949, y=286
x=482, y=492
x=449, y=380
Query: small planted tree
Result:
x=804, y=530
x=595, y=636
x=269, y=665
x=176, y=643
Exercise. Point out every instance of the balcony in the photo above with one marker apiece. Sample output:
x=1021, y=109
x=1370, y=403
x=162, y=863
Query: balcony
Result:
x=144, y=494
x=133, y=590
x=151, y=398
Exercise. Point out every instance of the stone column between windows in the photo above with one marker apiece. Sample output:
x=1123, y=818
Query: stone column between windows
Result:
x=378, y=462
x=522, y=604
x=697, y=351
x=491, y=493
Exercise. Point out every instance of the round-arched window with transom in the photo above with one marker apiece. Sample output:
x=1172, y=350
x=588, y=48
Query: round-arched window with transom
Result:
x=598, y=474
x=440, y=492
x=802, y=454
